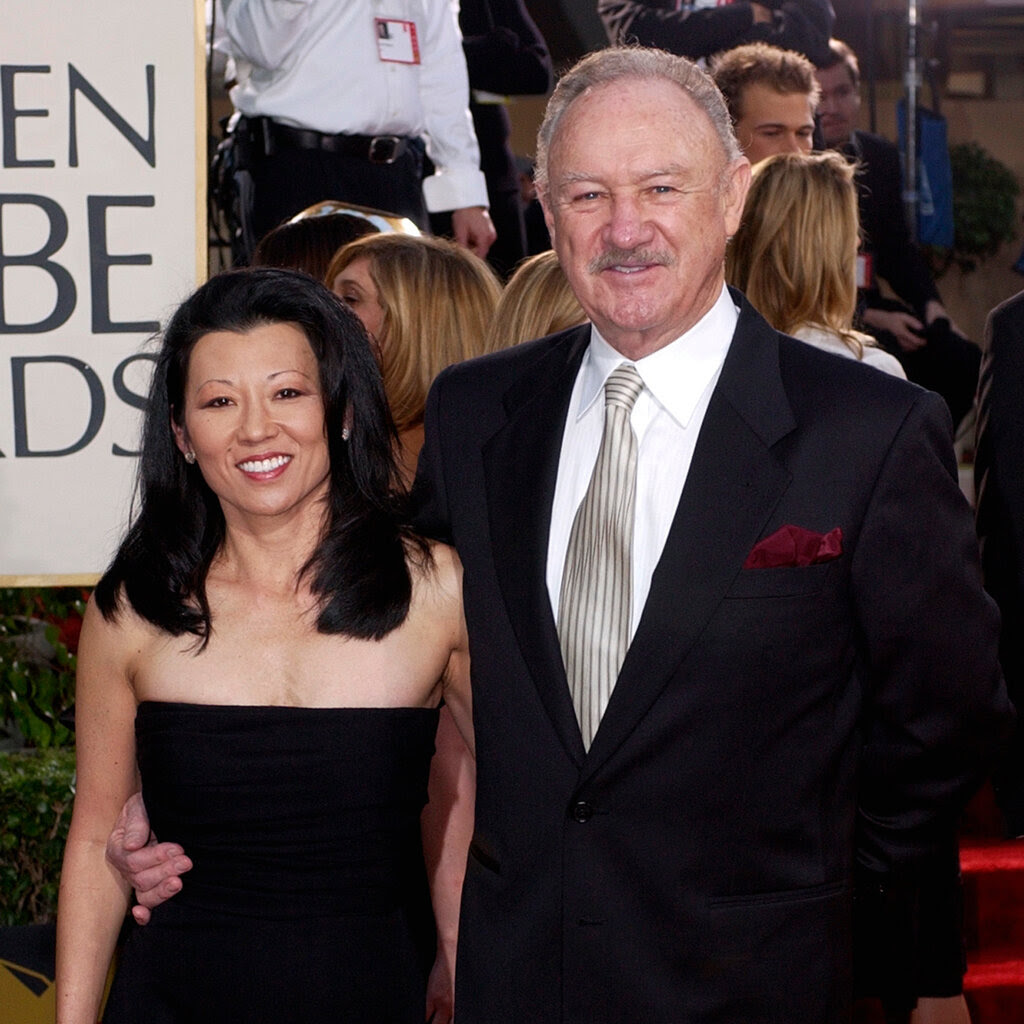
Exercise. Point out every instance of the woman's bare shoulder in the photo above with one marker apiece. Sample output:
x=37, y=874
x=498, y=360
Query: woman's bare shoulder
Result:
x=437, y=580
x=445, y=570
x=446, y=559
x=118, y=638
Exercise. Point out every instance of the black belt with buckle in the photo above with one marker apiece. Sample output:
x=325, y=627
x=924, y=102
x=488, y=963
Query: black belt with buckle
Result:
x=377, y=149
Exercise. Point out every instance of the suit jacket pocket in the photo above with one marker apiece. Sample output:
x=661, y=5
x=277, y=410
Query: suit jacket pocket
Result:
x=789, y=581
x=784, y=956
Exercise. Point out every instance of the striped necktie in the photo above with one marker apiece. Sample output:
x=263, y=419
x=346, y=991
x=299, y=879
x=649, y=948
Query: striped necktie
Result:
x=596, y=596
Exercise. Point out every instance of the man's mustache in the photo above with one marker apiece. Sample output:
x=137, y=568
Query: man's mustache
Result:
x=630, y=258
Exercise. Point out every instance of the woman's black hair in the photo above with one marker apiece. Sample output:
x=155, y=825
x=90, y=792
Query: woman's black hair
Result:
x=359, y=569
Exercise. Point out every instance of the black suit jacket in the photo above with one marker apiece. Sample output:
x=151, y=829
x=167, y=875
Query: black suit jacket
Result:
x=999, y=482
x=697, y=863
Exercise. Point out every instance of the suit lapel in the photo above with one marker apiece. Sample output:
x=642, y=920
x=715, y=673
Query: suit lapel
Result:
x=520, y=467
x=732, y=487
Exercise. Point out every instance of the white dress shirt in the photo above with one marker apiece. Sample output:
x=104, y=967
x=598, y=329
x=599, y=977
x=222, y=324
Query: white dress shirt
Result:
x=314, y=64
x=678, y=382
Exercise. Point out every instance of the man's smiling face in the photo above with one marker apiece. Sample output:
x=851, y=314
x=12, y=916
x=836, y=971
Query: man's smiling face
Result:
x=640, y=202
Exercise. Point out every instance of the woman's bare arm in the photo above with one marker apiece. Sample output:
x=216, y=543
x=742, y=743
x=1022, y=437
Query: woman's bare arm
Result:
x=93, y=897
x=448, y=818
x=447, y=830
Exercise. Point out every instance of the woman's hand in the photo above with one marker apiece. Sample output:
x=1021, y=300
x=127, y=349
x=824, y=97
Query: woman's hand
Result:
x=441, y=990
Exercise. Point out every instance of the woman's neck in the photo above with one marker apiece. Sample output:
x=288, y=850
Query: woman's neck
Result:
x=268, y=553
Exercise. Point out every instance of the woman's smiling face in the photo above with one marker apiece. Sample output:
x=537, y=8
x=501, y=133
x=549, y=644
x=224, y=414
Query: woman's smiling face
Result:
x=254, y=416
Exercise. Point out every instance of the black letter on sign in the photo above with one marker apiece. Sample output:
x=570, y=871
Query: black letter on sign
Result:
x=100, y=260
x=77, y=83
x=97, y=405
x=126, y=395
x=65, y=283
x=9, y=112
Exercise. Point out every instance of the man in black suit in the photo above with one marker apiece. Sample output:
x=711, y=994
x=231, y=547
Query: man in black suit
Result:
x=916, y=328
x=810, y=685
x=999, y=483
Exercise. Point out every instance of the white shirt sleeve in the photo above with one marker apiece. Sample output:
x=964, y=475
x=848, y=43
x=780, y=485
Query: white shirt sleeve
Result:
x=444, y=93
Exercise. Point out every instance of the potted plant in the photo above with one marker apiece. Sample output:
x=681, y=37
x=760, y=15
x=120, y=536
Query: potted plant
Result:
x=985, y=192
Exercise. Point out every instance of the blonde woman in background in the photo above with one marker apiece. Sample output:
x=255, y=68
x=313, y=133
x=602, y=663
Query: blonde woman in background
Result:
x=795, y=253
x=427, y=303
x=537, y=301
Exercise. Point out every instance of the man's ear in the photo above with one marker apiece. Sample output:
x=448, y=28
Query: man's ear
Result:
x=735, y=186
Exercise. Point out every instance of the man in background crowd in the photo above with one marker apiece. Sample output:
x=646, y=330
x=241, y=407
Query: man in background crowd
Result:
x=914, y=326
x=506, y=56
x=700, y=28
x=337, y=103
x=771, y=95
x=999, y=483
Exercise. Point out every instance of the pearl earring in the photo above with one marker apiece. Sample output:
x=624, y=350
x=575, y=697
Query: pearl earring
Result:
x=190, y=457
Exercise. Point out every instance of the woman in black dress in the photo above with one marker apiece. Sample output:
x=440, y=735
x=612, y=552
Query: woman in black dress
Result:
x=267, y=653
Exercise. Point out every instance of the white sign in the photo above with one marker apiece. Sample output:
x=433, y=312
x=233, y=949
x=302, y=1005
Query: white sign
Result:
x=102, y=233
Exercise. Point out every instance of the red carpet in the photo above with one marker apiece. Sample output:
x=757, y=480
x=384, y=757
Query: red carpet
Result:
x=993, y=872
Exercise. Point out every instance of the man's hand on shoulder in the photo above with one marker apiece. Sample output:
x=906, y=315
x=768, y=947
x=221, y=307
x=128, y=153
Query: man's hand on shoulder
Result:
x=473, y=228
x=152, y=869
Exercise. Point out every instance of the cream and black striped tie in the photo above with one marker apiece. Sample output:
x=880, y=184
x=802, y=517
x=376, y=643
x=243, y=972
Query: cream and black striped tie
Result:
x=596, y=596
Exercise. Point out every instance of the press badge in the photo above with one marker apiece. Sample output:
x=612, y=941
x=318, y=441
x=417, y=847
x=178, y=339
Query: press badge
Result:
x=865, y=270
x=397, y=42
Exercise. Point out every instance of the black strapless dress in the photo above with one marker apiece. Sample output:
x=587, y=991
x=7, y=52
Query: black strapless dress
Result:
x=308, y=901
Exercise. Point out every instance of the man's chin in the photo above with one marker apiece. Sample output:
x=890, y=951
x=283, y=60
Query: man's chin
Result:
x=635, y=333
x=835, y=138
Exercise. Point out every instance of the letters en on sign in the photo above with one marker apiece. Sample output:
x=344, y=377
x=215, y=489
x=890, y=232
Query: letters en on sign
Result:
x=102, y=233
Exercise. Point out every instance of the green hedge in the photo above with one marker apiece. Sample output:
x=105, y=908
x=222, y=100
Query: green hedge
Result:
x=36, y=793
x=38, y=640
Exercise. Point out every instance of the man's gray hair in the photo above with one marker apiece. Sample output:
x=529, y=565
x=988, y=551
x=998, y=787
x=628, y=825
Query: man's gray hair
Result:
x=619, y=63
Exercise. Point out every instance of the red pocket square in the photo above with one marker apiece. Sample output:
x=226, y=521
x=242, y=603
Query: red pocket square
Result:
x=794, y=546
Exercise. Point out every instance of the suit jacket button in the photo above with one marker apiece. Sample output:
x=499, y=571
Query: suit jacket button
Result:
x=581, y=811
